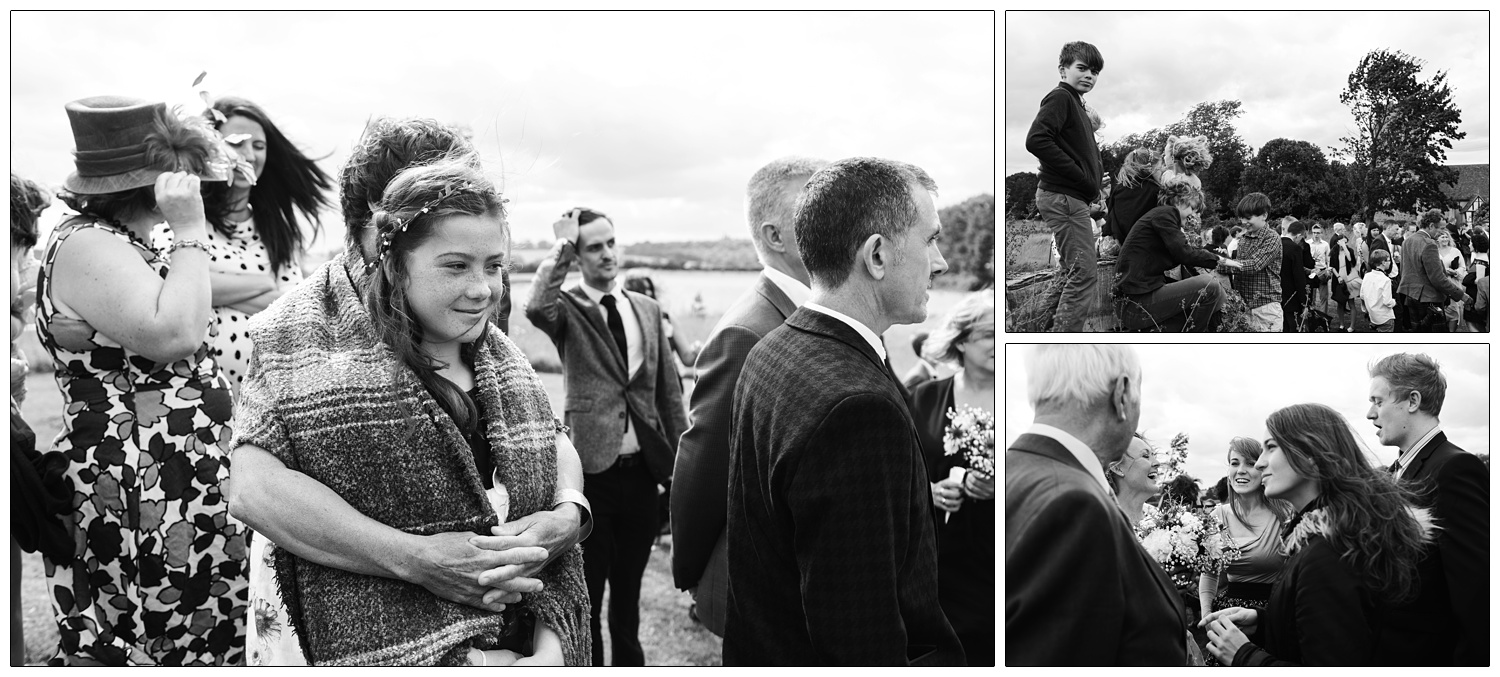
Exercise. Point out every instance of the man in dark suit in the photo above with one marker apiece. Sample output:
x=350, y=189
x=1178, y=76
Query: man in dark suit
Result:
x=701, y=480
x=831, y=547
x=1449, y=622
x=1079, y=588
x=1296, y=263
x=623, y=401
x=1424, y=279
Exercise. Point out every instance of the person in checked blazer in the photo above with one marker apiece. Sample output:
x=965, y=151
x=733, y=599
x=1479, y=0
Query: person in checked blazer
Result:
x=701, y=481
x=623, y=402
x=831, y=546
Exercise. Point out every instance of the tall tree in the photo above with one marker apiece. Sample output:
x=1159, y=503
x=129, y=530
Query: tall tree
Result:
x=1403, y=130
x=1292, y=173
x=968, y=237
x=1020, y=195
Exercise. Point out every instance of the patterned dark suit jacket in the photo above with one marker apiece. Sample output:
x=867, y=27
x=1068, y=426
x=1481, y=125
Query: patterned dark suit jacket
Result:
x=832, y=555
x=700, y=484
x=1079, y=588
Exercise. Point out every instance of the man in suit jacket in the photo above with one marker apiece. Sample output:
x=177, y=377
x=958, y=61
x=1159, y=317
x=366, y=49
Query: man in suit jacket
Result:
x=1296, y=262
x=832, y=551
x=1449, y=622
x=701, y=480
x=1424, y=279
x=623, y=401
x=1079, y=588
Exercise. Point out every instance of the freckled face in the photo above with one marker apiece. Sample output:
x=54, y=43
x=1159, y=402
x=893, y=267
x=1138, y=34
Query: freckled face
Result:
x=456, y=278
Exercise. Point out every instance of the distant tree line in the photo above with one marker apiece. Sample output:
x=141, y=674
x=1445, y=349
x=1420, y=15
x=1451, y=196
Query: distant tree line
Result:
x=1392, y=163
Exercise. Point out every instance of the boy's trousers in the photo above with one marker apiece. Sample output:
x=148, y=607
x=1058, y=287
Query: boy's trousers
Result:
x=1071, y=296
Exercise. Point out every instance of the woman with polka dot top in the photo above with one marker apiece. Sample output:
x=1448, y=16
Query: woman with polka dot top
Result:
x=255, y=244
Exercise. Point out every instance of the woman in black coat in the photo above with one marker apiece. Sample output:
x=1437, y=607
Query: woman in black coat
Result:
x=1157, y=244
x=1134, y=193
x=963, y=502
x=1352, y=550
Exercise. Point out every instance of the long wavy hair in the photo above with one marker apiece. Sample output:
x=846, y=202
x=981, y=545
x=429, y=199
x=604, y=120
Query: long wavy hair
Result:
x=1251, y=451
x=386, y=286
x=1139, y=165
x=290, y=183
x=1373, y=531
x=173, y=145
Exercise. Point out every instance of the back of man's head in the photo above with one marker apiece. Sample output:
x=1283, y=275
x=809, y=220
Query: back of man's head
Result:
x=1407, y=372
x=1296, y=228
x=845, y=203
x=771, y=195
x=387, y=146
x=1062, y=376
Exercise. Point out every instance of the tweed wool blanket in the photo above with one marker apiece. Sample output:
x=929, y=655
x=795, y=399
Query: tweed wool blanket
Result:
x=324, y=396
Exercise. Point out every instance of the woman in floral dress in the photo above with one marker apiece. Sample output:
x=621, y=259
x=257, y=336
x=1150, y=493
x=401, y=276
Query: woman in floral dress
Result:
x=158, y=572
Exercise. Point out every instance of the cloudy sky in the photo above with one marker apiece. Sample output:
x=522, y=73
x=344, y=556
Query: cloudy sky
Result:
x=656, y=118
x=1218, y=392
x=1286, y=68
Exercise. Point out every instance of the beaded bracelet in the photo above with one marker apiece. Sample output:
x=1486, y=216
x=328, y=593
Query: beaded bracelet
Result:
x=183, y=244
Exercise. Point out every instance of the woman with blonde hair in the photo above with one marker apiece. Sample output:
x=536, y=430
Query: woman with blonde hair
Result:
x=1253, y=522
x=963, y=496
x=1134, y=193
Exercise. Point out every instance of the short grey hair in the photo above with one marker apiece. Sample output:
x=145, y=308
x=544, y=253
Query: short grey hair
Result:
x=1078, y=374
x=770, y=196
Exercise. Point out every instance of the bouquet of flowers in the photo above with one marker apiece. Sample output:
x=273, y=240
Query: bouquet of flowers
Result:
x=971, y=432
x=1185, y=540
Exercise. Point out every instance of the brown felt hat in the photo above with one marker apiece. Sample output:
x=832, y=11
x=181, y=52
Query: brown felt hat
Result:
x=109, y=136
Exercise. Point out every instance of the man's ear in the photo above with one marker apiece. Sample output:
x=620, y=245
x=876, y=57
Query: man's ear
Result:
x=1119, y=397
x=875, y=254
x=770, y=234
x=1414, y=398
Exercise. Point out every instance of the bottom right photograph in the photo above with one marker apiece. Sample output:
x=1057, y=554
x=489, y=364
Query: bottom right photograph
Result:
x=1246, y=504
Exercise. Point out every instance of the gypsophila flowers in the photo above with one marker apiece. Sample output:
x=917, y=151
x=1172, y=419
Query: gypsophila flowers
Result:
x=971, y=432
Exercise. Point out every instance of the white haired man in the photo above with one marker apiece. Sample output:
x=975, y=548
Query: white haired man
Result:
x=1079, y=589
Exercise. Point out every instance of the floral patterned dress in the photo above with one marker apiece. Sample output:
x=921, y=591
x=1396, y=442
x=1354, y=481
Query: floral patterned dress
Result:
x=158, y=574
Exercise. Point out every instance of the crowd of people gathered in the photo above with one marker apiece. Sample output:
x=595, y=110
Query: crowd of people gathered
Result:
x=401, y=492
x=1171, y=274
x=1330, y=560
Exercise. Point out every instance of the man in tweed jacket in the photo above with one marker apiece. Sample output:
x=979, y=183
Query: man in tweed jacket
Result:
x=623, y=400
x=700, y=484
x=831, y=545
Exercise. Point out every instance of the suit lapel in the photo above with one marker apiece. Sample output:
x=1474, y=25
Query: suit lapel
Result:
x=650, y=339
x=594, y=315
x=1437, y=441
x=778, y=299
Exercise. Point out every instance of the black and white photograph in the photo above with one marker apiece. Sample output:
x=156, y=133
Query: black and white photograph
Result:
x=1247, y=171
x=1235, y=504
x=502, y=338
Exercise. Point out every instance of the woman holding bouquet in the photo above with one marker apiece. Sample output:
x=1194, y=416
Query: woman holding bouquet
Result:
x=1352, y=548
x=964, y=495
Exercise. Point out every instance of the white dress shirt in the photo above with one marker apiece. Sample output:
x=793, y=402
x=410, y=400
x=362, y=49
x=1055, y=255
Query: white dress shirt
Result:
x=863, y=331
x=1081, y=451
x=1407, y=456
x=794, y=289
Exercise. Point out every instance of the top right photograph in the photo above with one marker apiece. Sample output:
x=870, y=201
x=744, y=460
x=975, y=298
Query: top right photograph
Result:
x=1318, y=172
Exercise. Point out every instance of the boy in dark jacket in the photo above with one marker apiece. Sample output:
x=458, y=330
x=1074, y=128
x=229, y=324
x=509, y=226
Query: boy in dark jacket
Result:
x=1062, y=138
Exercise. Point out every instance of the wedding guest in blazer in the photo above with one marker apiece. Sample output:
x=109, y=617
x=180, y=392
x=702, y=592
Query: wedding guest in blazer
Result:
x=623, y=400
x=1352, y=549
x=1448, y=623
x=701, y=479
x=1079, y=588
x=963, y=498
x=832, y=556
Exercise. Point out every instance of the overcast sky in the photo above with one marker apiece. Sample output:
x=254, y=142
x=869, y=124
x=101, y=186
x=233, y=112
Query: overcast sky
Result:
x=1218, y=392
x=1286, y=68
x=655, y=118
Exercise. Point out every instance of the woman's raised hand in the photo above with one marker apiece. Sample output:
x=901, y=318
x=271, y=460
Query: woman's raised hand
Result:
x=181, y=204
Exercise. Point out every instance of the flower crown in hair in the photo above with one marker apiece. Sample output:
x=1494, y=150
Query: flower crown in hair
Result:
x=384, y=246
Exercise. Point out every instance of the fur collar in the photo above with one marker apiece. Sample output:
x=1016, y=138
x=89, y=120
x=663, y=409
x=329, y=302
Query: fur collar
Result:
x=1315, y=523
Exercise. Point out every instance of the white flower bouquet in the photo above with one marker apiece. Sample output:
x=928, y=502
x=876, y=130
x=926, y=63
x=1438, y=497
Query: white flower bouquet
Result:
x=971, y=434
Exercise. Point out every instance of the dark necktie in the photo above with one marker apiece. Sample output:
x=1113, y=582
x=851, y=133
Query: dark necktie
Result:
x=617, y=330
x=1396, y=467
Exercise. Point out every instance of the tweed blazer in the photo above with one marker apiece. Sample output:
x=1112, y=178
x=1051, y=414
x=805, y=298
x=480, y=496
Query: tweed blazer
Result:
x=1449, y=621
x=700, y=483
x=1423, y=276
x=598, y=393
x=1079, y=588
x=831, y=547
